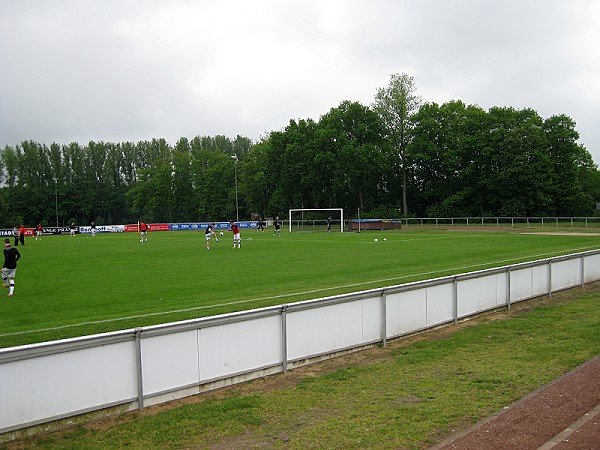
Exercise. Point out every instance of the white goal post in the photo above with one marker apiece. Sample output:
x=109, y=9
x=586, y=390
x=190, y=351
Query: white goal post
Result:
x=303, y=210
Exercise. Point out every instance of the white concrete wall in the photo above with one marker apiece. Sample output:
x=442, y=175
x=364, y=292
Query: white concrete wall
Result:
x=37, y=389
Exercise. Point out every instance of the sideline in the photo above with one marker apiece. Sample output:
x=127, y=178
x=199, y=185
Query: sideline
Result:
x=288, y=295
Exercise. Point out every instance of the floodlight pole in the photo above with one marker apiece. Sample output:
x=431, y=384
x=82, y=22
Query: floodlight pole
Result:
x=56, y=198
x=237, y=211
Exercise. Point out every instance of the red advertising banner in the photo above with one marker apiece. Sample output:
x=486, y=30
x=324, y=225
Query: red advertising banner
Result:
x=159, y=227
x=151, y=227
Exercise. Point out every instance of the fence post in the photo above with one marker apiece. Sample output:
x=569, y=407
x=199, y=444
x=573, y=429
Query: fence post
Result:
x=138, y=363
x=508, y=303
x=284, y=337
x=383, y=317
x=550, y=278
x=582, y=269
x=455, y=300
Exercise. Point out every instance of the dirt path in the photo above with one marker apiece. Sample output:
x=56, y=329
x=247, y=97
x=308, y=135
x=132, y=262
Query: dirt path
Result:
x=564, y=414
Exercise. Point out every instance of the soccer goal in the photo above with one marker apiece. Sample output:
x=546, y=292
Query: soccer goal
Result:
x=315, y=218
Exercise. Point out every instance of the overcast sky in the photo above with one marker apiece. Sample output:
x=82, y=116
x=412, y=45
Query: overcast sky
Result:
x=130, y=70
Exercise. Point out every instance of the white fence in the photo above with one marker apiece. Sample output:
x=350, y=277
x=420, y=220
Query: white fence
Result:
x=134, y=368
x=504, y=221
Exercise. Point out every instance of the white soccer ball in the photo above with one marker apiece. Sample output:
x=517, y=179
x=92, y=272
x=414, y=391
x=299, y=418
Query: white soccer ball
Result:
x=376, y=240
x=221, y=233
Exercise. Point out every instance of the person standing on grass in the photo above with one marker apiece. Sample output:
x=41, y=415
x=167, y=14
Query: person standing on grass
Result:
x=209, y=233
x=22, y=234
x=237, y=240
x=261, y=225
x=38, y=232
x=93, y=228
x=16, y=236
x=277, y=225
x=9, y=269
x=72, y=229
x=143, y=232
x=329, y=224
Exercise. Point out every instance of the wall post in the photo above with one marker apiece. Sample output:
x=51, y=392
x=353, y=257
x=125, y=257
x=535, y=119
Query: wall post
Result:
x=138, y=364
x=383, y=318
x=508, y=304
x=455, y=299
x=284, y=361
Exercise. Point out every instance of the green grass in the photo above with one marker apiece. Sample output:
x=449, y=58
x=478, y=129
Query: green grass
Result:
x=71, y=286
x=406, y=395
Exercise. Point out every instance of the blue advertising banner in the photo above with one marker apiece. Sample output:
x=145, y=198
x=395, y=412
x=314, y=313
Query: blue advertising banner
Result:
x=185, y=226
x=202, y=225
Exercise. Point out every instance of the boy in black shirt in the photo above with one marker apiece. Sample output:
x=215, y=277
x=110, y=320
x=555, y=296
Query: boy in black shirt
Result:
x=277, y=225
x=9, y=269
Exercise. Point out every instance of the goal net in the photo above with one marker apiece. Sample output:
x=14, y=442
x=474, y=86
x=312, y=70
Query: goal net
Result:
x=315, y=219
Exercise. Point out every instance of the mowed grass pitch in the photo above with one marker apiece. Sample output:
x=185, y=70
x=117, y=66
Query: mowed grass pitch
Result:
x=72, y=286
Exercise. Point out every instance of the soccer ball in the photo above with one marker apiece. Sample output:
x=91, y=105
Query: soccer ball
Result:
x=220, y=233
x=376, y=240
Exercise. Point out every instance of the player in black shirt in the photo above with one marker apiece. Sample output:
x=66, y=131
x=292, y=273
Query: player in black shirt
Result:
x=9, y=269
x=277, y=225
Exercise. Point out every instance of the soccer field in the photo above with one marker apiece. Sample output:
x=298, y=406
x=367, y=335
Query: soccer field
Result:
x=71, y=286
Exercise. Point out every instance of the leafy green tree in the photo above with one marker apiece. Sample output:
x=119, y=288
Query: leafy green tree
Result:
x=519, y=182
x=9, y=163
x=395, y=104
x=567, y=158
x=186, y=204
x=589, y=180
x=129, y=163
x=356, y=140
x=214, y=179
x=254, y=179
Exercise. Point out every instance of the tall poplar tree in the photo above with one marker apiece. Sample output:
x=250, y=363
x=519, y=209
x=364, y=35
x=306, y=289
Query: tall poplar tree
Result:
x=396, y=103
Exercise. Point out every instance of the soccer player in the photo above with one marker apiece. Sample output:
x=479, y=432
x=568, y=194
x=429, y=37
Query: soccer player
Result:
x=72, y=229
x=143, y=232
x=22, y=234
x=93, y=228
x=261, y=225
x=209, y=233
x=9, y=269
x=329, y=224
x=38, y=232
x=237, y=240
x=277, y=225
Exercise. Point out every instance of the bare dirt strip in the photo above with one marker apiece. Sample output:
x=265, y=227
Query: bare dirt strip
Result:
x=564, y=414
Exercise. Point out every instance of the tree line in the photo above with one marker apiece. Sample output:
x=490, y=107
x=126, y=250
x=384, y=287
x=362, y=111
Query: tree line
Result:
x=397, y=157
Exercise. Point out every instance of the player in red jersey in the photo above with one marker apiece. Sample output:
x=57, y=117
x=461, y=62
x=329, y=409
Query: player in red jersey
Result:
x=38, y=232
x=237, y=240
x=143, y=231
